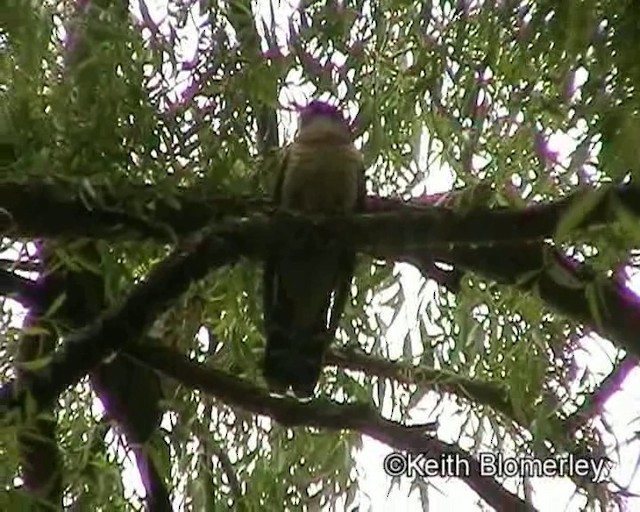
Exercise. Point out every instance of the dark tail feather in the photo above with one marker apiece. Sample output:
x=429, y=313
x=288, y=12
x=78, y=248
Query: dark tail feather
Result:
x=294, y=362
x=274, y=368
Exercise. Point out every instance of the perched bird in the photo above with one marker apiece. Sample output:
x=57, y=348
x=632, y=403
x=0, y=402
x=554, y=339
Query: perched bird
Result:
x=322, y=173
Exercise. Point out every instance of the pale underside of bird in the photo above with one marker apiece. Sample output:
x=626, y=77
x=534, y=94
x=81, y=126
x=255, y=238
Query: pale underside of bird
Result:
x=307, y=279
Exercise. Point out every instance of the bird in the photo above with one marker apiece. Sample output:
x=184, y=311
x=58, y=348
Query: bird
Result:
x=306, y=280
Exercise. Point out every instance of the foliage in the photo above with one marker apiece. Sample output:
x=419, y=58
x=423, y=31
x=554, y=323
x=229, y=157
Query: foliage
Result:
x=467, y=92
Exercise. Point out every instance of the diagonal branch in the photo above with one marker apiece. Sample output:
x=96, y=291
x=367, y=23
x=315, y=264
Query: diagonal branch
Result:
x=594, y=401
x=230, y=472
x=19, y=288
x=566, y=286
x=485, y=393
x=524, y=266
x=128, y=321
x=324, y=414
x=216, y=246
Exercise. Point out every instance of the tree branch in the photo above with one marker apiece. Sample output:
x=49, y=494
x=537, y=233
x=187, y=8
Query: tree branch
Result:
x=218, y=245
x=565, y=285
x=128, y=321
x=594, y=401
x=229, y=471
x=417, y=232
x=485, y=393
x=134, y=213
x=323, y=414
x=391, y=226
x=19, y=288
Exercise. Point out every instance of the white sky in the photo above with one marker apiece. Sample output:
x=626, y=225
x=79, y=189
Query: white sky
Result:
x=550, y=494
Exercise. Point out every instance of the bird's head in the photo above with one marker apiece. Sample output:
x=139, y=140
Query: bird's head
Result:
x=322, y=121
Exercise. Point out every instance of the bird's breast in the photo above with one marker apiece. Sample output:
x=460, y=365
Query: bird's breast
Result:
x=322, y=178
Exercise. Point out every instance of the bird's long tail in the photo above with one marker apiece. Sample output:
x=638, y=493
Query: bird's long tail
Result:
x=294, y=361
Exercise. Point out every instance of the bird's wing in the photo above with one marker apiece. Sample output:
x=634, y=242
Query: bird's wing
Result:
x=284, y=161
x=269, y=273
x=348, y=264
x=275, y=306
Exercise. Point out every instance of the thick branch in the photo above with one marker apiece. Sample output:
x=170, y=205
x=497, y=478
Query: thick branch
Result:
x=127, y=322
x=19, y=288
x=566, y=286
x=82, y=351
x=323, y=414
x=414, y=232
x=136, y=213
x=396, y=228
